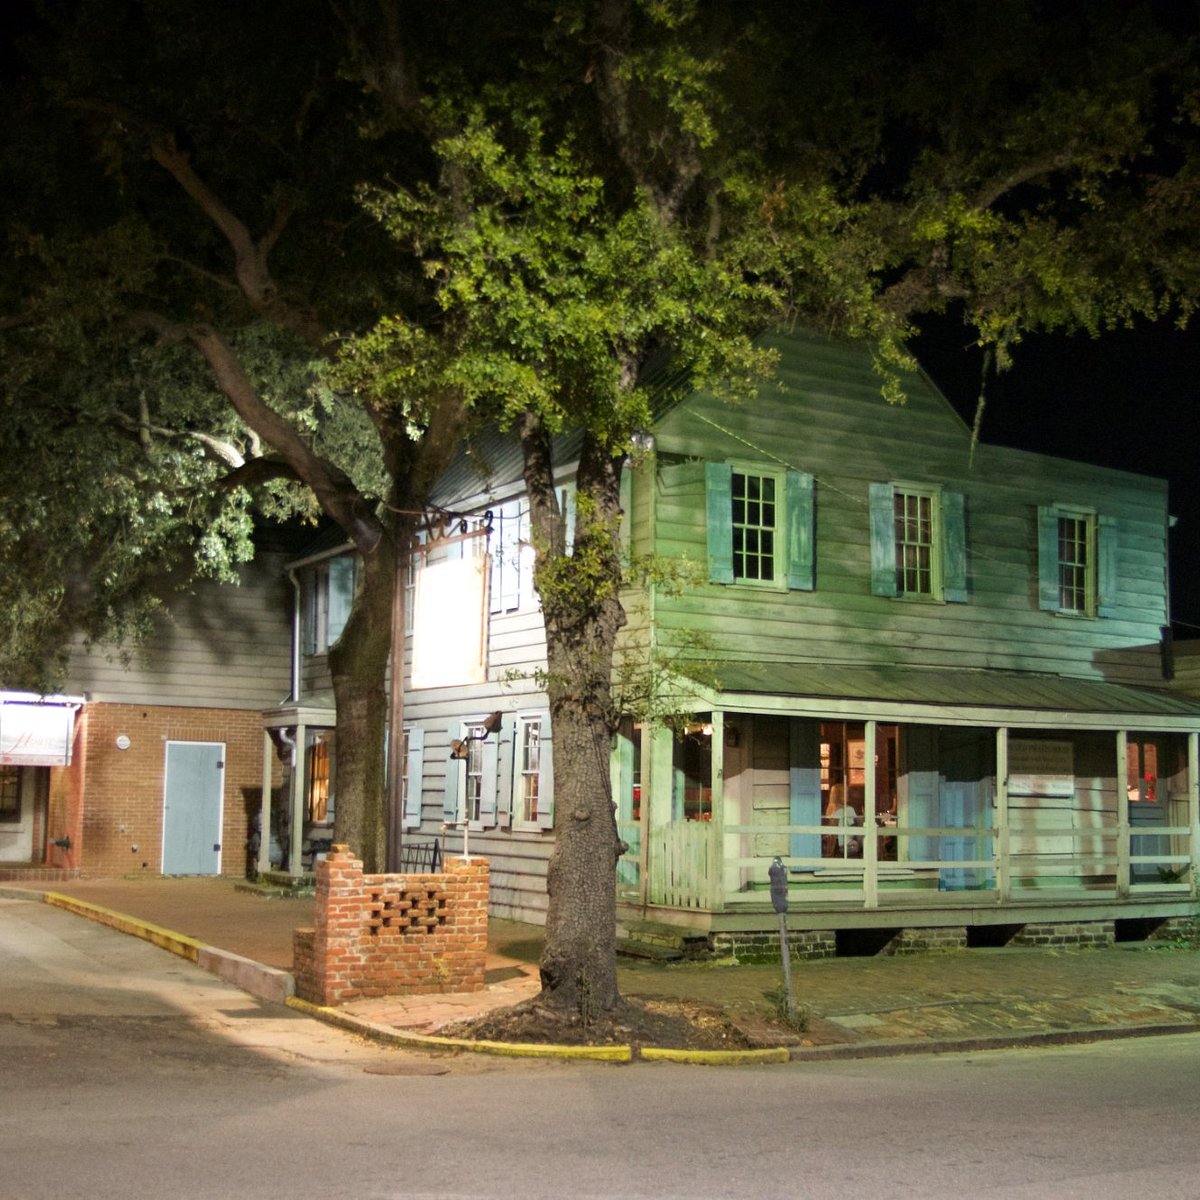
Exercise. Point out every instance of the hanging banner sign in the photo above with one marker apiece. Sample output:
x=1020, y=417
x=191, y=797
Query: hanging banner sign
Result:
x=450, y=624
x=36, y=734
x=1040, y=768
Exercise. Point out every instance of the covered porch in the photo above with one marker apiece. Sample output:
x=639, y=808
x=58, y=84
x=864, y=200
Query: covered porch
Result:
x=295, y=823
x=911, y=797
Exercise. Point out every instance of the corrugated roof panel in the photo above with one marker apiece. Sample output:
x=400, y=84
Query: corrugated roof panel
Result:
x=990, y=689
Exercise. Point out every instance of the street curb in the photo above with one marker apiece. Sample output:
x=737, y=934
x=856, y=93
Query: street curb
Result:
x=1018, y=1041
x=176, y=943
x=267, y=983
x=716, y=1058
x=426, y=1041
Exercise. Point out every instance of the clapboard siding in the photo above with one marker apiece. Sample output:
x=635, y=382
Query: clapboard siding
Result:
x=217, y=646
x=827, y=418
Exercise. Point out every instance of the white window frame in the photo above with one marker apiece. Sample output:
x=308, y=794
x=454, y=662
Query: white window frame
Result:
x=777, y=527
x=524, y=773
x=1086, y=518
x=903, y=493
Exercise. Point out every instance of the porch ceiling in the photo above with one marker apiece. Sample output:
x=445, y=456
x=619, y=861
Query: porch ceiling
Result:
x=957, y=697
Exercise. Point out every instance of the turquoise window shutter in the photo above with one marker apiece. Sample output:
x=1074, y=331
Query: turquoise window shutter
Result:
x=804, y=787
x=504, y=774
x=414, y=770
x=1106, y=566
x=454, y=775
x=799, y=512
x=341, y=594
x=489, y=784
x=718, y=492
x=954, y=548
x=883, y=540
x=1047, y=541
x=545, y=797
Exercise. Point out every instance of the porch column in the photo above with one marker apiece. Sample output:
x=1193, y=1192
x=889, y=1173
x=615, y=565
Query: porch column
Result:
x=296, y=829
x=1193, y=745
x=1122, y=815
x=716, y=865
x=1001, y=848
x=870, y=839
x=658, y=786
x=263, y=863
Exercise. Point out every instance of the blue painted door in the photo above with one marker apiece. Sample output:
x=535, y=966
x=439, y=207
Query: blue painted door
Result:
x=192, y=808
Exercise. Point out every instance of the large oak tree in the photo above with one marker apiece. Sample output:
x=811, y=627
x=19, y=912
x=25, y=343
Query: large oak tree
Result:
x=518, y=210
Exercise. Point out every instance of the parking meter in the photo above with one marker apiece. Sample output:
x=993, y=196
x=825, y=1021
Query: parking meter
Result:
x=777, y=873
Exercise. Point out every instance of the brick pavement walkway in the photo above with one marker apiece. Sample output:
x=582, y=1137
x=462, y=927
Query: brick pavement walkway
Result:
x=975, y=993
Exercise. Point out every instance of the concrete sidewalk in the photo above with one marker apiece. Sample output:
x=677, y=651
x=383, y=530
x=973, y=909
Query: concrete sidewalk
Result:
x=855, y=1006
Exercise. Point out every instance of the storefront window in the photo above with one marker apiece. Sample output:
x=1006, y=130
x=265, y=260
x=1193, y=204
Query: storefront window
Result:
x=319, y=784
x=10, y=793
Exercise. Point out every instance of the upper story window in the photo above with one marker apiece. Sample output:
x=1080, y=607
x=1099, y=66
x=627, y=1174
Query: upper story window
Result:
x=760, y=526
x=1077, y=561
x=918, y=543
x=327, y=592
x=1076, y=564
x=754, y=513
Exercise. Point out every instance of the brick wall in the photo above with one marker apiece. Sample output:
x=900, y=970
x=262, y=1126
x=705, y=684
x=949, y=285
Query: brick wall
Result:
x=122, y=790
x=764, y=947
x=1080, y=933
x=922, y=941
x=392, y=935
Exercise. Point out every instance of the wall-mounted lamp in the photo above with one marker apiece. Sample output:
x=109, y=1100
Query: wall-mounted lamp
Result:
x=461, y=747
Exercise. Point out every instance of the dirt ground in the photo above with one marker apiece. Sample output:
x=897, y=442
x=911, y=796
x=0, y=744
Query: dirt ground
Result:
x=673, y=1023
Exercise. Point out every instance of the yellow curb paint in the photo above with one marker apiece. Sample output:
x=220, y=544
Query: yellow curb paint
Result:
x=427, y=1041
x=176, y=943
x=716, y=1058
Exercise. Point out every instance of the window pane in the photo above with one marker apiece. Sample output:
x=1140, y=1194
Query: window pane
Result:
x=1074, y=564
x=10, y=795
x=914, y=529
x=754, y=518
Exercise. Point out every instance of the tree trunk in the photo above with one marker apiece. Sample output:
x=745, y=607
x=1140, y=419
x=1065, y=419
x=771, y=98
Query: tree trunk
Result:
x=579, y=959
x=582, y=614
x=358, y=663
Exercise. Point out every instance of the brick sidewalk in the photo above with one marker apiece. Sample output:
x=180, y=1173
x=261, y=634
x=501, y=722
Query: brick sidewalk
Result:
x=926, y=998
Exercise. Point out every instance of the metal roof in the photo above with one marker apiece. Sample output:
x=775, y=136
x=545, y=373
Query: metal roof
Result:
x=1006, y=694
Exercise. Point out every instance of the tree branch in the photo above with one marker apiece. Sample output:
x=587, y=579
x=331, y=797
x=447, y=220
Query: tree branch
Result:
x=250, y=257
x=333, y=488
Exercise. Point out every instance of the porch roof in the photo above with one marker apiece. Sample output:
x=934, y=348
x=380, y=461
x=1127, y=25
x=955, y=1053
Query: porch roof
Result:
x=949, y=696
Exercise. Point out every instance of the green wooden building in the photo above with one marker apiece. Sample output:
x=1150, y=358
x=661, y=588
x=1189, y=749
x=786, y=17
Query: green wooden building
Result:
x=933, y=680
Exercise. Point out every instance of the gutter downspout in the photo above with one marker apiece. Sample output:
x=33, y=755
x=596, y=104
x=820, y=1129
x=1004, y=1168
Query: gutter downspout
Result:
x=296, y=615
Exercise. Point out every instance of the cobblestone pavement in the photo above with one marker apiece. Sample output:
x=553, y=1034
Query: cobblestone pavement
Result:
x=926, y=1000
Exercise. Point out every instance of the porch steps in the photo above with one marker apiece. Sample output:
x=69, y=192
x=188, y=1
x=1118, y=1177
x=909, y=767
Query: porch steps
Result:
x=654, y=942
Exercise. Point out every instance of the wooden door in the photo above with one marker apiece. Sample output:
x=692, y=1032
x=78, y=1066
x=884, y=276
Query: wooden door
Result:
x=192, y=808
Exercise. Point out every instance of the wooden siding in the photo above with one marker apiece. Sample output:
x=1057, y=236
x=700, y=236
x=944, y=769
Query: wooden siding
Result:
x=217, y=646
x=827, y=418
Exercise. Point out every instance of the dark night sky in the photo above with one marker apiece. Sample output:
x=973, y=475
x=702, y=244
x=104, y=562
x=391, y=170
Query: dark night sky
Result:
x=1127, y=399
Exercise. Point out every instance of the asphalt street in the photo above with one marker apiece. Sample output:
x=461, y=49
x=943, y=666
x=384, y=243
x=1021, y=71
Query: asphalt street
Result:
x=129, y=1072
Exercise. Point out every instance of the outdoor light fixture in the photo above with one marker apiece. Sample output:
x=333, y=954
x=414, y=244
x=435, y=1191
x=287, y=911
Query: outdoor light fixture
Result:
x=460, y=747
